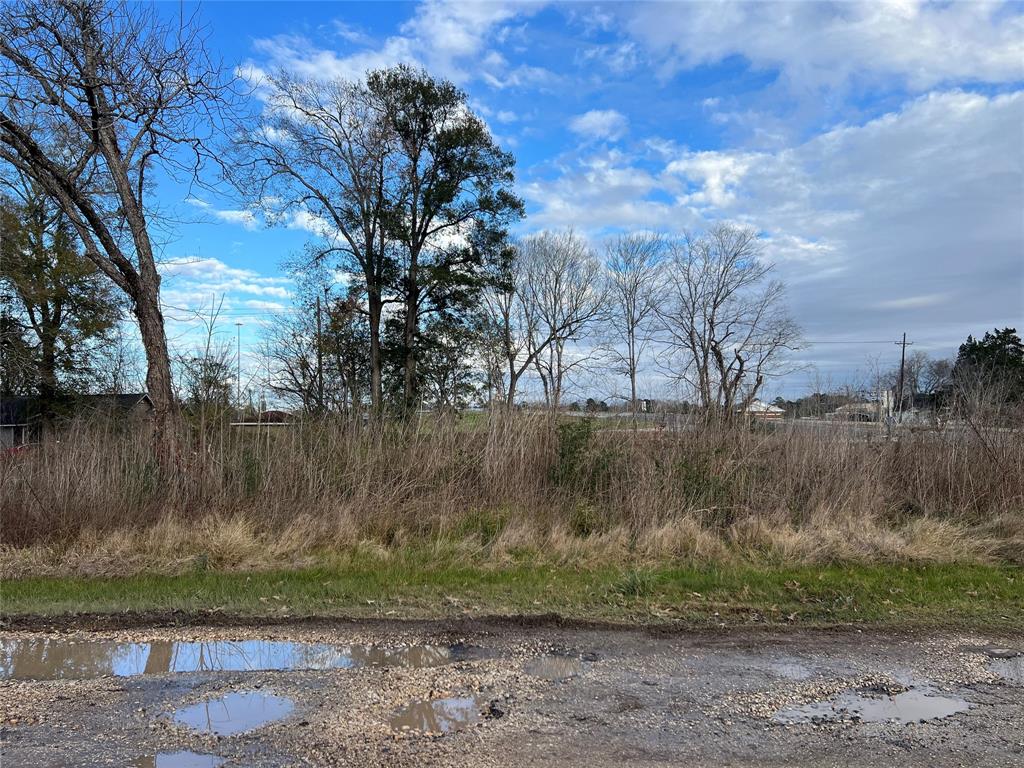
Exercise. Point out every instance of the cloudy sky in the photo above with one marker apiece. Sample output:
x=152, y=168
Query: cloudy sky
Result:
x=878, y=146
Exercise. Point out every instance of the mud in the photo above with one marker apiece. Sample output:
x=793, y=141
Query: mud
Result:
x=508, y=693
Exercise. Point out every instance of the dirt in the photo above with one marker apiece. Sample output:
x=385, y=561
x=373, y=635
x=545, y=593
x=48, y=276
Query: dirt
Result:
x=501, y=692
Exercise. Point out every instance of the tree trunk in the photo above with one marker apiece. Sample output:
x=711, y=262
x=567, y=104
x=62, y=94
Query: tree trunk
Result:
x=376, y=395
x=409, y=340
x=146, y=308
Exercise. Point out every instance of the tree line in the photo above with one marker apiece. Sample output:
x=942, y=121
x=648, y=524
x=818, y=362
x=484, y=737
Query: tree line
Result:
x=411, y=290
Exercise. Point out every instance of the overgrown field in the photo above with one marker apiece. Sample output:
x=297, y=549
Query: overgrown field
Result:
x=503, y=492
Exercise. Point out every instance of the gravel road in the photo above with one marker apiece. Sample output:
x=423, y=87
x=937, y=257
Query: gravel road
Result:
x=504, y=693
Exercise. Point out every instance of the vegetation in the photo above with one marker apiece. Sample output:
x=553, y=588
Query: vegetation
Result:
x=54, y=299
x=411, y=297
x=365, y=585
x=511, y=487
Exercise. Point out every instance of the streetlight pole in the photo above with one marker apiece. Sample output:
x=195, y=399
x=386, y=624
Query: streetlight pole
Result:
x=238, y=368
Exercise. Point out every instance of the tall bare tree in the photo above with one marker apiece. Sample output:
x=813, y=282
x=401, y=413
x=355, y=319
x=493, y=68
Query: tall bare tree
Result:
x=566, y=294
x=725, y=322
x=94, y=95
x=323, y=150
x=547, y=294
x=635, y=265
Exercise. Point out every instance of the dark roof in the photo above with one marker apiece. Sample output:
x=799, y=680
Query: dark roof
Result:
x=22, y=410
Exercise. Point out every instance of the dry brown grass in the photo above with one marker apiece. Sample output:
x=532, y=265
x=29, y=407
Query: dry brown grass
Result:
x=496, y=491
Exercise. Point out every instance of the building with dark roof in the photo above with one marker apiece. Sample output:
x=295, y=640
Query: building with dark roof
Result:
x=21, y=417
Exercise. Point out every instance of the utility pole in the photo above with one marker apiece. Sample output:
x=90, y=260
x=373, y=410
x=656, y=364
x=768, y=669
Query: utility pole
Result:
x=238, y=367
x=319, y=358
x=903, y=364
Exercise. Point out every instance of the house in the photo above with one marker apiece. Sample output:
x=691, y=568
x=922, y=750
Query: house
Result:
x=14, y=421
x=22, y=417
x=756, y=409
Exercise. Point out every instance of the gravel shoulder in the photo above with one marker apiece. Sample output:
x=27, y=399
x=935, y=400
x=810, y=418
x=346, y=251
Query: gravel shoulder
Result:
x=643, y=697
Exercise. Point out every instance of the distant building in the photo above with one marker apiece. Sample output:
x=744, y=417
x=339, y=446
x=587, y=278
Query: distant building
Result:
x=758, y=409
x=21, y=417
x=271, y=418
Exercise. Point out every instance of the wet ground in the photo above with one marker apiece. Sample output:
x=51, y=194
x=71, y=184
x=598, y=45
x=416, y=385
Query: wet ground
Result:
x=506, y=693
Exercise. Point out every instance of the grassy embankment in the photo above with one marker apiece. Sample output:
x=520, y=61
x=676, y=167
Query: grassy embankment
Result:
x=985, y=597
x=514, y=515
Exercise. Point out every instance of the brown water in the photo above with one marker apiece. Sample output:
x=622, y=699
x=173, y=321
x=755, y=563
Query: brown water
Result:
x=235, y=712
x=554, y=668
x=911, y=706
x=178, y=760
x=60, y=657
x=438, y=716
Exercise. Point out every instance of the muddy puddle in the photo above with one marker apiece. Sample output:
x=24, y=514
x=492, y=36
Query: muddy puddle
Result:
x=62, y=658
x=178, y=760
x=1011, y=669
x=554, y=668
x=438, y=716
x=915, y=705
x=235, y=712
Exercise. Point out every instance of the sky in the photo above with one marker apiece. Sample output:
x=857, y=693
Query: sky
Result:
x=877, y=147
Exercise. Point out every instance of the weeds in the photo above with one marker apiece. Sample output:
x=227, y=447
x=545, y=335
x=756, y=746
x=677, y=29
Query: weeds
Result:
x=509, y=487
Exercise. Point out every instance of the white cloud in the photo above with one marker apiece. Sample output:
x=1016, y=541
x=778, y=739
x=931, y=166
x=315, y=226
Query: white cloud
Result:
x=191, y=282
x=245, y=218
x=718, y=174
x=820, y=44
x=911, y=221
x=913, y=302
x=450, y=38
x=600, y=124
x=602, y=192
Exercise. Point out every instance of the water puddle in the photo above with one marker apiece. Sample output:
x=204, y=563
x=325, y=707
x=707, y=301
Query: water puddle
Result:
x=554, y=668
x=996, y=651
x=60, y=658
x=915, y=705
x=790, y=669
x=178, y=760
x=1011, y=669
x=235, y=712
x=438, y=716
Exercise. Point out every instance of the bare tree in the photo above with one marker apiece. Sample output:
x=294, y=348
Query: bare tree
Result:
x=550, y=292
x=725, y=321
x=93, y=96
x=510, y=325
x=321, y=371
x=566, y=294
x=323, y=151
x=635, y=266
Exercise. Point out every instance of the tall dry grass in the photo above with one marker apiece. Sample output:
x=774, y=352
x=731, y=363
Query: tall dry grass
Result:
x=95, y=501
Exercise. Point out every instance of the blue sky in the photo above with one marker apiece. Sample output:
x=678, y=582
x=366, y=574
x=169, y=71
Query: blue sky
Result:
x=879, y=147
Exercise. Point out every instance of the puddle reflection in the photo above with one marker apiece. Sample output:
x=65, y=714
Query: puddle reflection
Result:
x=235, y=712
x=912, y=706
x=178, y=760
x=554, y=668
x=59, y=658
x=438, y=716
